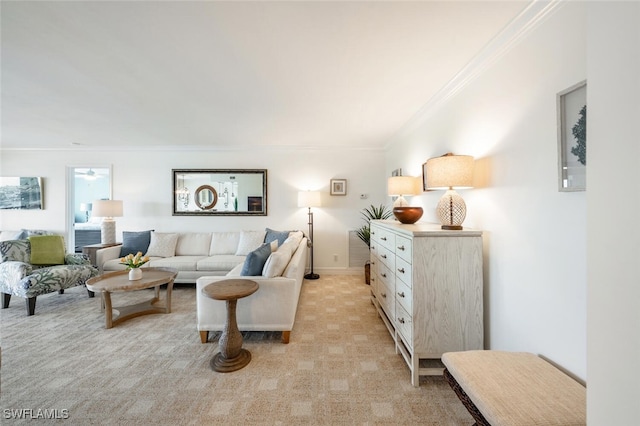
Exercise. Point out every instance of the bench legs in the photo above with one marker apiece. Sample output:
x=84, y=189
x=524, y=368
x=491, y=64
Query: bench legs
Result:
x=466, y=401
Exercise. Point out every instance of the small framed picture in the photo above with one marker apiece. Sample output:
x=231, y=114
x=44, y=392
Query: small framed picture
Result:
x=338, y=187
x=572, y=138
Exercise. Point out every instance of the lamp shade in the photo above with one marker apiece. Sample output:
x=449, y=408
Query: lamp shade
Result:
x=402, y=185
x=449, y=171
x=85, y=207
x=309, y=199
x=107, y=208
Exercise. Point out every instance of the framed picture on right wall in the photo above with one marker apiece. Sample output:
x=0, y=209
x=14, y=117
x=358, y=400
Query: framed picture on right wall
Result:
x=571, y=107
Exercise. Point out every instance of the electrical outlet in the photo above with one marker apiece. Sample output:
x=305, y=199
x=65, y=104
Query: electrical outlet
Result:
x=335, y=257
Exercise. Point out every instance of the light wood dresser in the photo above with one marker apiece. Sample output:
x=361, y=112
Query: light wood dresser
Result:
x=426, y=284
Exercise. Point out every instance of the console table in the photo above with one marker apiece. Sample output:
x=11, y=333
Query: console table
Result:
x=426, y=285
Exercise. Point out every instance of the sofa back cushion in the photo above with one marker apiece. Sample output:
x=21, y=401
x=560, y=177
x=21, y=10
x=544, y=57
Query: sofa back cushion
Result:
x=15, y=250
x=249, y=241
x=134, y=242
x=224, y=243
x=47, y=250
x=193, y=244
x=162, y=245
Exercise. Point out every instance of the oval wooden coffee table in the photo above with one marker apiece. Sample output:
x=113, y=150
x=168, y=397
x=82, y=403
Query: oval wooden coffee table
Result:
x=119, y=281
x=232, y=356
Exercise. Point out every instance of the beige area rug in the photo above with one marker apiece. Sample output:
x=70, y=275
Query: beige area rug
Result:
x=339, y=369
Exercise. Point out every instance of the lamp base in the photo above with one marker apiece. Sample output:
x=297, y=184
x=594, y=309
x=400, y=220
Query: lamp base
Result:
x=452, y=227
x=108, y=231
x=408, y=215
x=311, y=276
x=451, y=210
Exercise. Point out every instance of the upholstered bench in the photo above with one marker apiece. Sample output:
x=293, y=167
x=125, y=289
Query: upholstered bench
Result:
x=514, y=388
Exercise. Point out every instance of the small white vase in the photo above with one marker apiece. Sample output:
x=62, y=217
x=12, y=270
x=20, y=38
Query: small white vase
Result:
x=135, y=274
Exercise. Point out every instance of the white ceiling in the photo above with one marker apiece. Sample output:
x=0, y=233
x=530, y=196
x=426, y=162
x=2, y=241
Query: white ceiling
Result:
x=230, y=74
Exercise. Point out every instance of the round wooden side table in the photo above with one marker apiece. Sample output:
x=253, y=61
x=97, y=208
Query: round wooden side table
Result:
x=232, y=356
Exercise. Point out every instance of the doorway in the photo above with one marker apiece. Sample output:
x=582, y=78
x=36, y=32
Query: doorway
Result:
x=85, y=185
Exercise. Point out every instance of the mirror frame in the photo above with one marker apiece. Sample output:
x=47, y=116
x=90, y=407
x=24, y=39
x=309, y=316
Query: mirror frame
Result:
x=210, y=212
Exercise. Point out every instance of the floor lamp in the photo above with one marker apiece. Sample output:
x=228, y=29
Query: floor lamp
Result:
x=310, y=199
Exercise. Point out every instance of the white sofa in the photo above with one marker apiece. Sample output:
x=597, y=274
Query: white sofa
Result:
x=193, y=254
x=272, y=308
x=204, y=258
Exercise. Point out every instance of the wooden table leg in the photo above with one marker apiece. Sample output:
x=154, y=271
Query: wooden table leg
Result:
x=232, y=356
x=108, y=310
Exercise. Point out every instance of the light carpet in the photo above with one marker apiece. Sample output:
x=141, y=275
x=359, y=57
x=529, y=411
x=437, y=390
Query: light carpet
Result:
x=339, y=368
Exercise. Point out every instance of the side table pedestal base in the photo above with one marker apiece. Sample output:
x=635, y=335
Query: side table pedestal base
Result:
x=226, y=365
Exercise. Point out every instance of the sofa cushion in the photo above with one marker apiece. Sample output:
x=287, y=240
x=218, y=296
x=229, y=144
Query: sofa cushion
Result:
x=10, y=235
x=223, y=262
x=47, y=250
x=134, y=242
x=255, y=260
x=224, y=243
x=162, y=244
x=249, y=241
x=193, y=244
x=279, y=236
x=181, y=263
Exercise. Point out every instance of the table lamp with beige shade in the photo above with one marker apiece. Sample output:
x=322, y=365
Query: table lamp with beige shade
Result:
x=401, y=186
x=107, y=210
x=450, y=172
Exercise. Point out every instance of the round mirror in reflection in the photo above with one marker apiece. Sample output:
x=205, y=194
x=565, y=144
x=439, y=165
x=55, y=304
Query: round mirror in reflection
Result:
x=206, y=197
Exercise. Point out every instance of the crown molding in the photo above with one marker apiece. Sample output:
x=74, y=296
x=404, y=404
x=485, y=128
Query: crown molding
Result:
x=520, y=26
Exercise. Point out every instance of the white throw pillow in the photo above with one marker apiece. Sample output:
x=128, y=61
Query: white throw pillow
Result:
x=249, y=241
x=162, y=245
x=278, y=260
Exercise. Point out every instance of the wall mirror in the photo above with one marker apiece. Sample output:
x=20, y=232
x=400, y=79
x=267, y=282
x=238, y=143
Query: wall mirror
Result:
x=224, y=192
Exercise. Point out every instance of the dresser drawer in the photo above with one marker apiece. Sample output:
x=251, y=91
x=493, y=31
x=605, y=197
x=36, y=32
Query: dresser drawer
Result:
x=403, y=296
x=385, y=275
x=383, y=237
x=404, y=248
x=387, y=300
x=403, y=271
x=404, y=325
x=386, y=257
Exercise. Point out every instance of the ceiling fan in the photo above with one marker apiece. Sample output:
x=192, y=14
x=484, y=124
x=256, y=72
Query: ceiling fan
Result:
x=88, y=175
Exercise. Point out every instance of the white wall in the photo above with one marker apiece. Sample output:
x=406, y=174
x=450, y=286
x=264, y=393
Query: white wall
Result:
x=613, y=200
x=142, y=179
x=534, y=236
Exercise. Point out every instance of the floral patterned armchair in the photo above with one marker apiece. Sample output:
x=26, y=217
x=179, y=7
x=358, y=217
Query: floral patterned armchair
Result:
x=19, y=277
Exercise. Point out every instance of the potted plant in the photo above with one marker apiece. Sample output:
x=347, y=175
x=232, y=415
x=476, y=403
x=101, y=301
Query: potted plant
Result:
x=364, y=232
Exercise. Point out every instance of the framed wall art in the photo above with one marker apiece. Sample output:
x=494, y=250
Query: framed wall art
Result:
x=21, y=193
x=572, y=138
x=338, y=187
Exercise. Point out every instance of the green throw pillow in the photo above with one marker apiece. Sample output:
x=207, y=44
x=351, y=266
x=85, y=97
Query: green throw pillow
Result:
x=47, y=250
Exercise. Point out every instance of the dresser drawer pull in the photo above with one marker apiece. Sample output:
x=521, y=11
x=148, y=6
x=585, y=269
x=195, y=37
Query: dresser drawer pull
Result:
x=383, y=295
x=383, y=275
x=401, y=270
x=384, y=238
x=384, y=256
x=401, y=294
x=401, y=248
x=401, y=320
